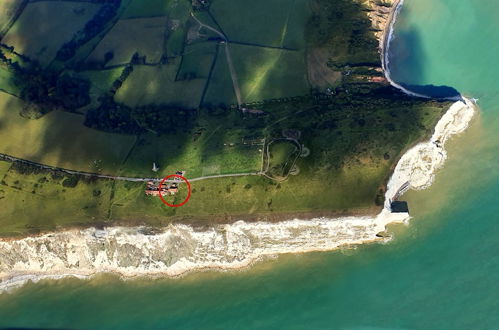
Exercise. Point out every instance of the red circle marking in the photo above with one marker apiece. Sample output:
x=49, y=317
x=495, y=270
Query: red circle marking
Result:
x=176, y=176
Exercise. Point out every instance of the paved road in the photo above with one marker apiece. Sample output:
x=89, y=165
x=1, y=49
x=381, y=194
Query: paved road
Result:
x=112, y=177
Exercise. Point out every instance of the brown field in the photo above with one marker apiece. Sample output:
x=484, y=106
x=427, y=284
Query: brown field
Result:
x=44, y=27
x=319, y=74
x=143, y=35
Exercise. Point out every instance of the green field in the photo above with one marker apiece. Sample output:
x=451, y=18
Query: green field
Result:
x=101, y=83
x=261, y=22
x=266, y=73
x=45, y=26
x=205, y=151
x=157, y=85
x=295, y=36
x=8, y=11
x=144, y=36
x=220, y=88
x=197, y=61
x=176, y=108
x=34, y=199
x=101, y=80
x=7, y=82
x=59, y=139
x=43, y=202
x=151, y=8
x=282, y=155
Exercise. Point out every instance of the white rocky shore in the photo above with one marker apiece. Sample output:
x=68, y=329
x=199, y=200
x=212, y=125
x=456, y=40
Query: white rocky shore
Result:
x=179, y=249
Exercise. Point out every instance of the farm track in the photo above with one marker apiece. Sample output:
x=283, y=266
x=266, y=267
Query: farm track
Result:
x=232, y=70
x=263, y=46
x=267, y=153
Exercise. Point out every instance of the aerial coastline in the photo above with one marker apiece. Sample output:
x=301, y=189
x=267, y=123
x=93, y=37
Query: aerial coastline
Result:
x=132, y=252
x=230, y=246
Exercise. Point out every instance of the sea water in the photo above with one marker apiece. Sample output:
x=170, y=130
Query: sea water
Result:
x=441, y=271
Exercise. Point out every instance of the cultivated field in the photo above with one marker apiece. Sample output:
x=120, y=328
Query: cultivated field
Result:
x=45, y=26
x=59, y=139
x=145, y=36
x=157, y=85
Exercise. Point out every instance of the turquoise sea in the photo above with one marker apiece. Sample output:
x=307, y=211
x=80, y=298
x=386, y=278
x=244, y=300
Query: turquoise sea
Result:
x=440, y=272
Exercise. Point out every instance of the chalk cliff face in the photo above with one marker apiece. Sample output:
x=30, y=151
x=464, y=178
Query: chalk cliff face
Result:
x=177, y=249
x=180, y=248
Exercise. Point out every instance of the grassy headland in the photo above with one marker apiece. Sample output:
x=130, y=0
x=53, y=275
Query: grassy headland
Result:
x=311, y=75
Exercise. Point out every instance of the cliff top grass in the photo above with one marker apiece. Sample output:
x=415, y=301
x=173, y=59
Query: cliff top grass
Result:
x=304, y=73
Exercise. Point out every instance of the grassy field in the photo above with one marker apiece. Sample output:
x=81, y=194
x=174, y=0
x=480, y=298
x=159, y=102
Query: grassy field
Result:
x=263, y=22
x=297, y=19
x=265, y=73
x=208, y=150
x=281, y=157
x=343, y=173
x=7, y=82
x=150, y=8
x=8, y=11
x=45, y=26
x=354, y=136
x=157, y=85
x=59, y=139
x=177, y=14
x=220, y=88
x=34, y=199
x=45, y=201
x=197, y=61
x=101, y=82
x=142, y=35
x=176, y=41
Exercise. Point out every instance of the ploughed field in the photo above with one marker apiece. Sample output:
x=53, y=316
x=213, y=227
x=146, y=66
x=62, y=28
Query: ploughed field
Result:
x=289, y=89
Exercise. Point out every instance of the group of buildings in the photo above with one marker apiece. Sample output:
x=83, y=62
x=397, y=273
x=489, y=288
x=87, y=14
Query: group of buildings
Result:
x=167, y=188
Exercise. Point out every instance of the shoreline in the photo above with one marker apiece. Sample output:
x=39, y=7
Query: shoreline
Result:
x=178, y=249
x=132, y=252
x=385, y=42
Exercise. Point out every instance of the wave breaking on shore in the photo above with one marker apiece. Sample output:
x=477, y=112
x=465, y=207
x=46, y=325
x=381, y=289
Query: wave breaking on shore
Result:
x=179, y=249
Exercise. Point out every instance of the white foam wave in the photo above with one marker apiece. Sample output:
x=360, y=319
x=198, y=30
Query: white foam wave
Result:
x=417, y=167
x=385, y=55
